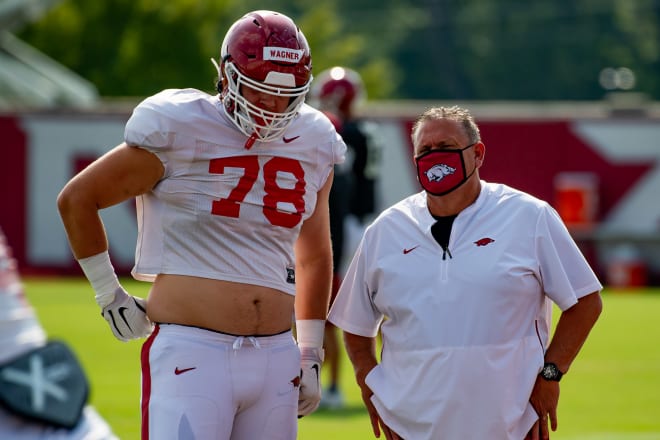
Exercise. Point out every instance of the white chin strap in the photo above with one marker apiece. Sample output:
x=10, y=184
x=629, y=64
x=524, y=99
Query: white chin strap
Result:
x=252, y=121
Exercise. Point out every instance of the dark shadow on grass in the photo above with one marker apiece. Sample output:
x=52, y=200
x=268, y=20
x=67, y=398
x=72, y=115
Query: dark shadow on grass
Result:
x=345, y=411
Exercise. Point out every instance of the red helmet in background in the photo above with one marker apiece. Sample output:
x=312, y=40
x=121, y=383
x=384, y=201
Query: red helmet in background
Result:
x=338, y=89
x=266, y=51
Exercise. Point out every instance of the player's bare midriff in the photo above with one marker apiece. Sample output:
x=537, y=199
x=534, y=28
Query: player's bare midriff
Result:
x=224, y=306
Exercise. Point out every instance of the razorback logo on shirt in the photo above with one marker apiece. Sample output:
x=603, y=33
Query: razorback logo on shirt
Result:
x=283, y=54
x=484, y=241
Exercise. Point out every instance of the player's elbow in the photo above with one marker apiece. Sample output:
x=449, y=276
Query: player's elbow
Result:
x=65, y=200
x=70, y=199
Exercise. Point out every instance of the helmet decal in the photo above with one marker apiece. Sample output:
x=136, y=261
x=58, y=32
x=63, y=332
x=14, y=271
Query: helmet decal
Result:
x=283, y=54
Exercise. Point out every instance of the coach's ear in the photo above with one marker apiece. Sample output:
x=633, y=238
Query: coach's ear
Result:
x=479, y=154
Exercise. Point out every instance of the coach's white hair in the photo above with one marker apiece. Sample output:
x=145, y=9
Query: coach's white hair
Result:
x=454, y=113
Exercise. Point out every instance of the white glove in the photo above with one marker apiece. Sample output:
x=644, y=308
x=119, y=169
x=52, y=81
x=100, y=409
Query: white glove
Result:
x=309, y=396
x=127, y=316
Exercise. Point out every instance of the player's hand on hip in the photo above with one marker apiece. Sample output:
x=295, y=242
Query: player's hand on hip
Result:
x=309, y=396
x=127, y=316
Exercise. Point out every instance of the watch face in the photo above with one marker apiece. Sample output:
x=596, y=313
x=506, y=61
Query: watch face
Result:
x=550, y=372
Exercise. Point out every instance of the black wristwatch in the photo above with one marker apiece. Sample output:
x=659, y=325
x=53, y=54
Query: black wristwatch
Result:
x=551, y=372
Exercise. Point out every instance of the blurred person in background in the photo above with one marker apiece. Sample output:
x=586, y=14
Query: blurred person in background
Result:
x=462, y=276
x=233, y=230
x=43, y=390
x=337, y=92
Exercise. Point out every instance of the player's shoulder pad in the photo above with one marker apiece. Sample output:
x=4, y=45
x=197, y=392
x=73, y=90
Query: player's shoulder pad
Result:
x=335, y=120
x=315, y=120
x=160, y=115
x=317, y=127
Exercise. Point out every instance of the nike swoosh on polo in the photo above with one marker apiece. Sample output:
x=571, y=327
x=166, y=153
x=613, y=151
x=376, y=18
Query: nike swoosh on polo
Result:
x=287, y=140
x=407, y=251
x=178, y=371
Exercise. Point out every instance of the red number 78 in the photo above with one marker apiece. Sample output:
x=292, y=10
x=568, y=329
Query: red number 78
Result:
x=231, y=206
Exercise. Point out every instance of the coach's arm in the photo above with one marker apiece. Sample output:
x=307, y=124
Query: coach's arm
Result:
x=361, y=351
x=570, y=334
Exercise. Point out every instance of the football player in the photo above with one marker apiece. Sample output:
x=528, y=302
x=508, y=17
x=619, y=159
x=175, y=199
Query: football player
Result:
x=338, y=92
x=233, y=231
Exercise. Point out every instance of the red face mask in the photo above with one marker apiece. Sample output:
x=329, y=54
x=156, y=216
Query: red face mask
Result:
x=442, y=171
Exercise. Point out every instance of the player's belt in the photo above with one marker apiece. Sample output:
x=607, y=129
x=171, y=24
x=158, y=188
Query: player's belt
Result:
x=46, y=384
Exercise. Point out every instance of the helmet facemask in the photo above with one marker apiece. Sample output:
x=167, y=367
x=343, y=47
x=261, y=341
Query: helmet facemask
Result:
x=264, y=125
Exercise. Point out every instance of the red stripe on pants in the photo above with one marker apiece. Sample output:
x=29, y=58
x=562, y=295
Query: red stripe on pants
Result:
x=146, y=381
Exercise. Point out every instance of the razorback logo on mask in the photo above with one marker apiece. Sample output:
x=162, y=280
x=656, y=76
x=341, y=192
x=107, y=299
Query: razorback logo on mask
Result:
x=437, y=172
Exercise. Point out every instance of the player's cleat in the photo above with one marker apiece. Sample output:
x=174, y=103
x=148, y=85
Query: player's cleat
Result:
x=332, y=399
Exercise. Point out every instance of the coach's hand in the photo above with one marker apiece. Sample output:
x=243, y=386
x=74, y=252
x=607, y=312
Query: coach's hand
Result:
x=127, y=316
x=309, y=396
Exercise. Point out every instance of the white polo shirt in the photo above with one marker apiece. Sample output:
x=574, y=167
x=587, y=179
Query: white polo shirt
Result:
x=464, y=337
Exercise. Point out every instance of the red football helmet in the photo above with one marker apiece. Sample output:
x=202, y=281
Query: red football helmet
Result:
x=265, y=51
x=338, y=89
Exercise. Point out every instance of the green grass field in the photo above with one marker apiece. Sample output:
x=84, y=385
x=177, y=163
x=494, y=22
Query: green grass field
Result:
x=612, y=392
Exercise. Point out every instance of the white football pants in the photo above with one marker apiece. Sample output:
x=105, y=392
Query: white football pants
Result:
x=203, y=385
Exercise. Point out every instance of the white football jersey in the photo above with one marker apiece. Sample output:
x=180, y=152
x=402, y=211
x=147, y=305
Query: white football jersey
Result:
x=223, y=211
x=464, y=337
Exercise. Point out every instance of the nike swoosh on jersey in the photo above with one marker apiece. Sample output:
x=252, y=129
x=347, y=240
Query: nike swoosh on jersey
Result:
x=407, y=251
x=178, y=371
x=287, y=140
